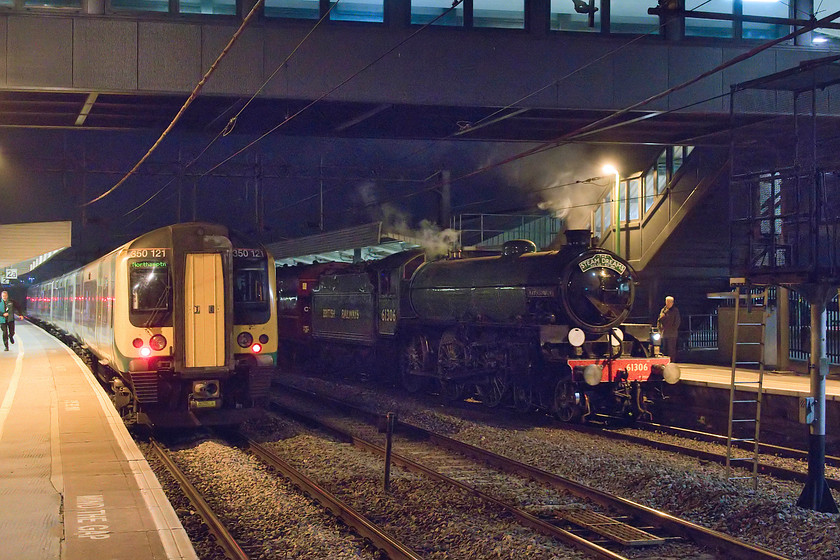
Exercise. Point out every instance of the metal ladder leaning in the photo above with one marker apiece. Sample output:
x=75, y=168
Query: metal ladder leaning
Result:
x=741, y=409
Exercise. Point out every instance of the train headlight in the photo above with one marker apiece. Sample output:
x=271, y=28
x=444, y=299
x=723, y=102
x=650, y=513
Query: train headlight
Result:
x=264, y=338
x=671, y=373
x=655, y=336
x=206, y=389
x=592, y=374
x=158, y=342
x=256, y=348
x=145, y=351
x=576, y=337
x=244, y=339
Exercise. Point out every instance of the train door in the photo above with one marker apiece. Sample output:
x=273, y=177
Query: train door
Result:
x=205, y=311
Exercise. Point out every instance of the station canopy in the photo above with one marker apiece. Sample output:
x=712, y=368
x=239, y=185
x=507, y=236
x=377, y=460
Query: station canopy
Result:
x=24, y=247
x=365, y=242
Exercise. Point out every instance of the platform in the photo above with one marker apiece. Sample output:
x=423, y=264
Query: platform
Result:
x=73, y=484
x=779, y=383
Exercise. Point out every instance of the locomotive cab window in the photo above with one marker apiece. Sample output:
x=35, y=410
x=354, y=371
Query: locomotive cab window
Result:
x=250, y=288
x=150, y=304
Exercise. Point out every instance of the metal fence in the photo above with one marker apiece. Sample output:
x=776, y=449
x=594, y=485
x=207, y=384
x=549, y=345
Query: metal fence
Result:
x=702, y=332
x=800, y=329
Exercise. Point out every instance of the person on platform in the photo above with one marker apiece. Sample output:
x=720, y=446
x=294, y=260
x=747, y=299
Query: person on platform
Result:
x=8, y=310
x=669, y=325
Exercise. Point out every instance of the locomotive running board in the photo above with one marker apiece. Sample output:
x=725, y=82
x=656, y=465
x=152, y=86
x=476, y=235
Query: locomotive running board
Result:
x=610, y=528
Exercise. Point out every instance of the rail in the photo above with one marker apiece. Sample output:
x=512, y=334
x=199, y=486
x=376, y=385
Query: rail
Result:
x=726, y=544
x=223, y=537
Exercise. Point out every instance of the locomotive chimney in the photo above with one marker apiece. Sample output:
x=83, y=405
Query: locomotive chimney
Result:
x=579, y=237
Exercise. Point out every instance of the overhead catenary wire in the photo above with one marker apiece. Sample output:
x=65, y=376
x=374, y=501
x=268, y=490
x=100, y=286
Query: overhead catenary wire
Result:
x=588, y=128
x=187, y=103
x=341, y=84
x=227, y=129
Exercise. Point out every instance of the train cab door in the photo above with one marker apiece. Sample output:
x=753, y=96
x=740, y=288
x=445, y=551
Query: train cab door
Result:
x=204, y=311
x=388, y=301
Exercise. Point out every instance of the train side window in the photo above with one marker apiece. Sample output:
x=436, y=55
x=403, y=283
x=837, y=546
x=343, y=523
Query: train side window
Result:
x=413, y=265
x=385, y=282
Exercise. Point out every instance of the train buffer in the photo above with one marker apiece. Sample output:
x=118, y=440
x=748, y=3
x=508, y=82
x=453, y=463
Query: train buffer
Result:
x=610, y=528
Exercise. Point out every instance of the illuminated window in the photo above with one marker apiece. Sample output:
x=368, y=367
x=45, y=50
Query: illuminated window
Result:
x=631, y=16
x=661, y=172
x=564, y=17
x=211, y=7
x=424, y=11
x=634, y=194
x=301, y=9
x=356, y=10
x=597, y=222
x=51, y=4
x=650, y=188
x=708, y=27
x=771, y=8
x=508, y=14
x=141, y=5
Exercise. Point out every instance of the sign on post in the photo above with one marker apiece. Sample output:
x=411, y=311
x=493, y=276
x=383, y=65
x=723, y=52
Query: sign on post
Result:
x=11, y=273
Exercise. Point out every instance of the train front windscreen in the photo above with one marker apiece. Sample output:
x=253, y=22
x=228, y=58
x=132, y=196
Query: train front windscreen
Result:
x=151, y=293
x=251, y=305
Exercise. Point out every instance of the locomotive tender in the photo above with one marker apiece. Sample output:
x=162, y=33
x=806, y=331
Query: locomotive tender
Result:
x=181, y=322
x=540, y=329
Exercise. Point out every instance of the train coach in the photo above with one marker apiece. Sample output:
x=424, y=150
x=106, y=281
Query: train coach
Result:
x=534, y=329
x=181, y=324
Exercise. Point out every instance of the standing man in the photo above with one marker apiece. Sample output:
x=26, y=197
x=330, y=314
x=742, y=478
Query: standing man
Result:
x=669, y=325
x=8, y=311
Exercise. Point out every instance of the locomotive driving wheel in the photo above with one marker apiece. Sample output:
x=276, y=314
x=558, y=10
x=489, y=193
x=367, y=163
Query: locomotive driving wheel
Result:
x=566, y=405
x=415, y=358
x=523, y=397
x=494, y=391
x=452, y=358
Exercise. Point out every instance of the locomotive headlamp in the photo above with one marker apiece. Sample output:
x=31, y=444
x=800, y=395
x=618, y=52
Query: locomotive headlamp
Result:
x=244, y=339
x=592, y=374
x=145, y=351
x=577, y=337
x=158, y=342
x=264, y=339
x=256, y=348
x=671, y=373
x=655, y=337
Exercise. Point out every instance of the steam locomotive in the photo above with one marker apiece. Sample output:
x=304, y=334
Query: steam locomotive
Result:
x=181, y=323
x=534, y=329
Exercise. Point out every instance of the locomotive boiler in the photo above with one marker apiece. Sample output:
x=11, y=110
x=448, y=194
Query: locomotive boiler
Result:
x=180, y=323
x=536, y=329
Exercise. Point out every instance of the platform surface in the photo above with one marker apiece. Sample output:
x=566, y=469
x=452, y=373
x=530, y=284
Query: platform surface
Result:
x=73, y=484
x=782, y=383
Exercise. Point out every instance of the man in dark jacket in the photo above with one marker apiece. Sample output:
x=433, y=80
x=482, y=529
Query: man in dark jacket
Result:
x=669, y=325
x=8, y=310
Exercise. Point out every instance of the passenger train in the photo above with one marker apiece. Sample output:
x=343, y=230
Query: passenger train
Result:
x=535, y=329
x=180, y=322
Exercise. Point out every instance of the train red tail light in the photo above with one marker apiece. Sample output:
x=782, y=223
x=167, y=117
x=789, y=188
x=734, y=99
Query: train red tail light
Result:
x=256, y=348
x=158, y=342
x=137, y=342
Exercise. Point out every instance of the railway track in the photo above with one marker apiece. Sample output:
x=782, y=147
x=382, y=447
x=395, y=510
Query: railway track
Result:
x=384, y=542
x=217, y=528
x=767, y=468
x=449, y=465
